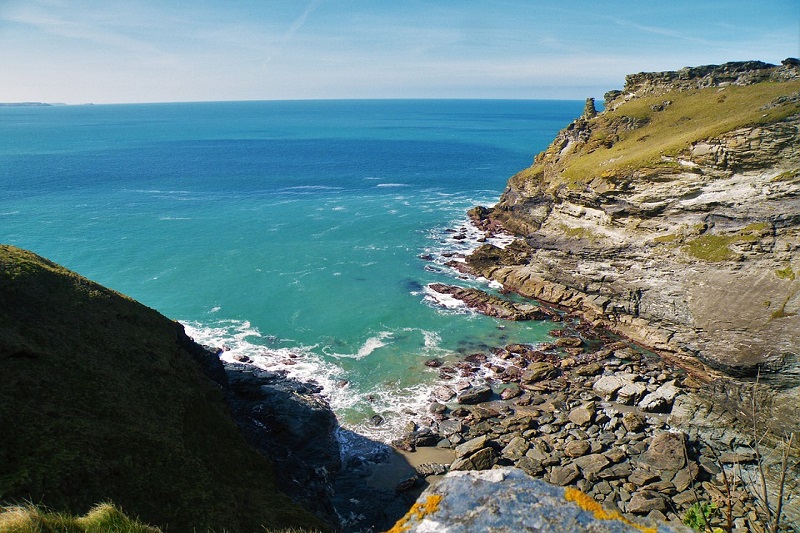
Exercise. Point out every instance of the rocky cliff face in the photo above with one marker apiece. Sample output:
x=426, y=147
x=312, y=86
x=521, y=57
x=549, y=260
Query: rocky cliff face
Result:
x=672, y=217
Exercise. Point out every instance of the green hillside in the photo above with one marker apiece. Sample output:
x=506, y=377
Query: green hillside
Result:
x=636, y=135
x=100, y=400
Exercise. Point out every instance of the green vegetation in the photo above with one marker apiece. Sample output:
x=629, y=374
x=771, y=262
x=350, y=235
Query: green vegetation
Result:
x=634, y=138
x=670, y=238
x=710, y=247
x=786, y=273
x=790, y=175
x=103, y=518
x=716, y=247
x=101, y=400
x=579, y=233
x=699, y=515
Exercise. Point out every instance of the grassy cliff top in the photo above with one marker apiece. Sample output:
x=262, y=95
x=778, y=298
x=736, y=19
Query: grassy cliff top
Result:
x=643, y=133
x=100, y=400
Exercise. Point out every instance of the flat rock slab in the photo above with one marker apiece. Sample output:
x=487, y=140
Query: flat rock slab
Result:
x=506, y=500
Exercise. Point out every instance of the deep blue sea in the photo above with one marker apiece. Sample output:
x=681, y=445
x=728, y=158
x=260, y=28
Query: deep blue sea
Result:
x=290, y=232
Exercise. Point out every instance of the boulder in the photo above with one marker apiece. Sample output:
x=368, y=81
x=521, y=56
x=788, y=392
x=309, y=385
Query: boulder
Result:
x=667, y=451
x=607, y=386
x=507, y=499
x=632, y=421
x=471, y=446
x=645, y=501
x=592, y=464
x=536, y=372
x=515, y=449
x=564, y=475
x=576, y=448
x=475, y=395
x=661, y=399
x=583, y=415
x=482, y=459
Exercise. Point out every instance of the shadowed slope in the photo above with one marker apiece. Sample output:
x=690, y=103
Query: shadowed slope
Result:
x=100, y=399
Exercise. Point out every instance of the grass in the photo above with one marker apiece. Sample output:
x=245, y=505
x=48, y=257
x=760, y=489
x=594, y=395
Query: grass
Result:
x=613, y=152
x=100, y=400
x=786, y=273
x=102, y=518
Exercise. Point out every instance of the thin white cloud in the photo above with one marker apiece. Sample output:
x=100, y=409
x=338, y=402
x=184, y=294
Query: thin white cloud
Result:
x=60, y=25
x=293, y=29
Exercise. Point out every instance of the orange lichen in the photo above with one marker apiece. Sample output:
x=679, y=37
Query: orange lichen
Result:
x=587, y=503
x=418, y=511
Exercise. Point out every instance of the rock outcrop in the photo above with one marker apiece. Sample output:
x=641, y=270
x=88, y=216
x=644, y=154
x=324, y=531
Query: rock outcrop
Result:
x=673, y=218
x=506, y=499
x=102, y=398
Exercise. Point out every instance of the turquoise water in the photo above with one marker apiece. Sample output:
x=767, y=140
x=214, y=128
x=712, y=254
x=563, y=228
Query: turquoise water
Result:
x=290, y=232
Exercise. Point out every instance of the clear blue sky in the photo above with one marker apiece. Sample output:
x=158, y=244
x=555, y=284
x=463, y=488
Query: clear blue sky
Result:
x=78, y=51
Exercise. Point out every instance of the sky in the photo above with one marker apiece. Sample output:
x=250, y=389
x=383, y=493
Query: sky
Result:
x=114, y=51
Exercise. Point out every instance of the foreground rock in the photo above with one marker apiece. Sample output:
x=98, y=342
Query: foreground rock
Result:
x=690, y=245
x=507, y=499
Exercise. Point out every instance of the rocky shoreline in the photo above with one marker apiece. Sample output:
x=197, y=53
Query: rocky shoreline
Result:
x=592, y=410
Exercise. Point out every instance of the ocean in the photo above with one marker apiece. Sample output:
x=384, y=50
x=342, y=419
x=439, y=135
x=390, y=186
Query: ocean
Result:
x=299, y=234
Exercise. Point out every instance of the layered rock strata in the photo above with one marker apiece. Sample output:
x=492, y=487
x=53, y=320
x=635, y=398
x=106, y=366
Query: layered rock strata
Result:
x=673, y=218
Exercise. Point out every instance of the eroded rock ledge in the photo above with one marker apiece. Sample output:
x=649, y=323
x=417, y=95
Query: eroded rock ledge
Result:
x=672, y=218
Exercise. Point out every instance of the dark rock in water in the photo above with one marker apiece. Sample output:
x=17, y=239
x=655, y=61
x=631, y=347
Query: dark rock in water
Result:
x=475, y=395
x=412, y=285
x=377, y=420
x=434, y=363
x=490, y=305
x=569, y=341
x=510, y=392
x=406, y=443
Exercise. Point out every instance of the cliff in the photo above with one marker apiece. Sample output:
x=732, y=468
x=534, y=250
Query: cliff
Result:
x=672, y=217
x=105, y=399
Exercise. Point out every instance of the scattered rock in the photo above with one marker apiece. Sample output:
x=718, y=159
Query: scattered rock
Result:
x=475, y=395
x=576, y=448
x=646, y=501
x=632, y=421
x=667, y=451
x=564, y=475
x=661, y=399
x=583, y=415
